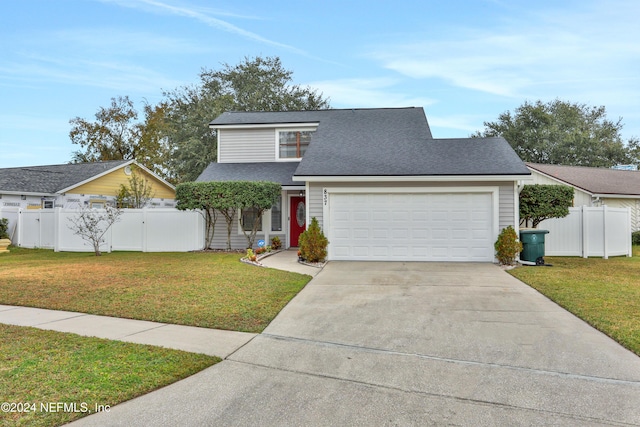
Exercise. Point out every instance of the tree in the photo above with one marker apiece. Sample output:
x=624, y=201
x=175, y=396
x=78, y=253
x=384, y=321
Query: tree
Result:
x=562, y=133
x=227, y=198
x=259, y=196
x=256, y=84
x=92, y=224
x=199, y=196
x=540, y=202
x=116, y=134
x=138, y=193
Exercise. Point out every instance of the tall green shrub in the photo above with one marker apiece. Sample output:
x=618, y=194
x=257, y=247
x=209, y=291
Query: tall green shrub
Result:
x=313, y=243
x=507, y=246
x=540, y=202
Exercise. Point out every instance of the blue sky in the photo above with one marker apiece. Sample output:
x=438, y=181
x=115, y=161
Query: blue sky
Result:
x=465, y=62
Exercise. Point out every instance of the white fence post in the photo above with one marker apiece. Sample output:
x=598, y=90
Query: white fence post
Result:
x=585, y=233
x=56, y=231
x=145, y=230
x=604, y=233
x=629, y=243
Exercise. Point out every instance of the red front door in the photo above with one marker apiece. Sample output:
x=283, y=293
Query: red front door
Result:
x=297, y=219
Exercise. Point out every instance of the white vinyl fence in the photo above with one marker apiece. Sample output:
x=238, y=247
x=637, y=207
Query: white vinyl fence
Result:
x=589, y=231
x=145, y=230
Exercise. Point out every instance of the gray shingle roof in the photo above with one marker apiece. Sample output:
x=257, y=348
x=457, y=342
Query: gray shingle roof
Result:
x=594, y=180
x=280, y=172
x=386, y=142
x=52, y=178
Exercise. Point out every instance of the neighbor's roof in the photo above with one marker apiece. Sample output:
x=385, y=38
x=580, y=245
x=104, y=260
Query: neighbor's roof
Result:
x=593, y=180
x=280, y=172
x=53, y=178
x=385, y=142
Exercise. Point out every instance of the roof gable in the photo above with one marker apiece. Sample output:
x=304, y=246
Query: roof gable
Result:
x=53, y=179
x=593, y=180
x=384, y=142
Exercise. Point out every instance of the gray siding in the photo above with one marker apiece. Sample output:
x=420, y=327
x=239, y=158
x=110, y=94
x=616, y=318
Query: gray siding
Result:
x=315, y=202
x=238, y=239
x=247, y=145
x=506, y=215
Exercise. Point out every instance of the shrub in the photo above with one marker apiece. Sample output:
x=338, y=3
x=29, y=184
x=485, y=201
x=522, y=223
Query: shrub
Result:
x=313, y=243
x=251, y=256
x=4, y=227
x=540, y=202
x=276, y=243
x=635, y=238
x=507, y=246
x=261, y=250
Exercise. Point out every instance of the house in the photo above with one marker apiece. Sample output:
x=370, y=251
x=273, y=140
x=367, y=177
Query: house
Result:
x=380, y=185
x=595, y=186
x=76, y=184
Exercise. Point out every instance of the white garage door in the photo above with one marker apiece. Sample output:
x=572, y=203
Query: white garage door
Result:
x=411, y=227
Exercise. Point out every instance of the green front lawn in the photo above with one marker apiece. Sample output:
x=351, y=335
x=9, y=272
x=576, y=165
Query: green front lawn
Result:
x=41, y=371
x=207, y=289
x=603, y=292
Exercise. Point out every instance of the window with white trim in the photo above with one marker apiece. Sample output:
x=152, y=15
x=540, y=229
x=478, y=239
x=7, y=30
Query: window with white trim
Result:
x=249, y=217
x=293, y=143
x=276, y=216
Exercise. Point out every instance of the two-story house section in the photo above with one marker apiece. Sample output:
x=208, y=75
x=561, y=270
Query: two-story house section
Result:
x=380, y=185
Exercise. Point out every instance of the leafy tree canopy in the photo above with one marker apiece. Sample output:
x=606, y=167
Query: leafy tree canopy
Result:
x=116, y=134
x=174, y=139
x=226, y=198
x=540, y=202
x=256, y=84
x=560, y=132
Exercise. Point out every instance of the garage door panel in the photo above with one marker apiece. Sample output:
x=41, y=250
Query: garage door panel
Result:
x=413, y=226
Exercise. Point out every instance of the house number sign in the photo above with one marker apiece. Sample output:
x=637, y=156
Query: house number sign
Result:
x=325, y=197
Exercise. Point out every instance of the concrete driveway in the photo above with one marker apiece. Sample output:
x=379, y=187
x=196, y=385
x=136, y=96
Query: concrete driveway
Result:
x=408, y=344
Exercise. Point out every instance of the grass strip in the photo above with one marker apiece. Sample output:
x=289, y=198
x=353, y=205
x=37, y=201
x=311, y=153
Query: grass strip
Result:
x=603, y=292
x=46, y=370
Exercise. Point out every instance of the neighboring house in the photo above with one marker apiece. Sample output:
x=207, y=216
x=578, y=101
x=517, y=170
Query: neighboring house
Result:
x=76, y=184
x=380, y=185
x=595, y=186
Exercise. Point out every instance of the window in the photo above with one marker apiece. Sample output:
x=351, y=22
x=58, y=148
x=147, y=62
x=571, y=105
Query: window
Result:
x=276, y=216
x=47, y=204
x=249, y=217
x=293, y=143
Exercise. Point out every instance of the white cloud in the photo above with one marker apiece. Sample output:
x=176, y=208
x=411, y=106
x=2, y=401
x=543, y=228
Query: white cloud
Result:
x=203, y=15
x=541, y=53
x=110, y=74
x=460, y=122
x=367, y=93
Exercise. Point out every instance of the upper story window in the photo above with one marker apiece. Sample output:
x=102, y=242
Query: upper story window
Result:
x=292, y=144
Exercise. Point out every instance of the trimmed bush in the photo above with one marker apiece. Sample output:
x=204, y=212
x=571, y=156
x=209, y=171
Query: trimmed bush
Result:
x=313, y=243
x=276, y=243
x=4, y=228
x=507, y=246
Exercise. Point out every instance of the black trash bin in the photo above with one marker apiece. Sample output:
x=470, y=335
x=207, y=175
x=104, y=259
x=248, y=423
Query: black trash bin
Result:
x=532, y=246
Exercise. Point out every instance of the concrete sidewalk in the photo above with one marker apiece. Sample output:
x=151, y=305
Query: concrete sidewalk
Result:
x=288, y=261
x=213, y=342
